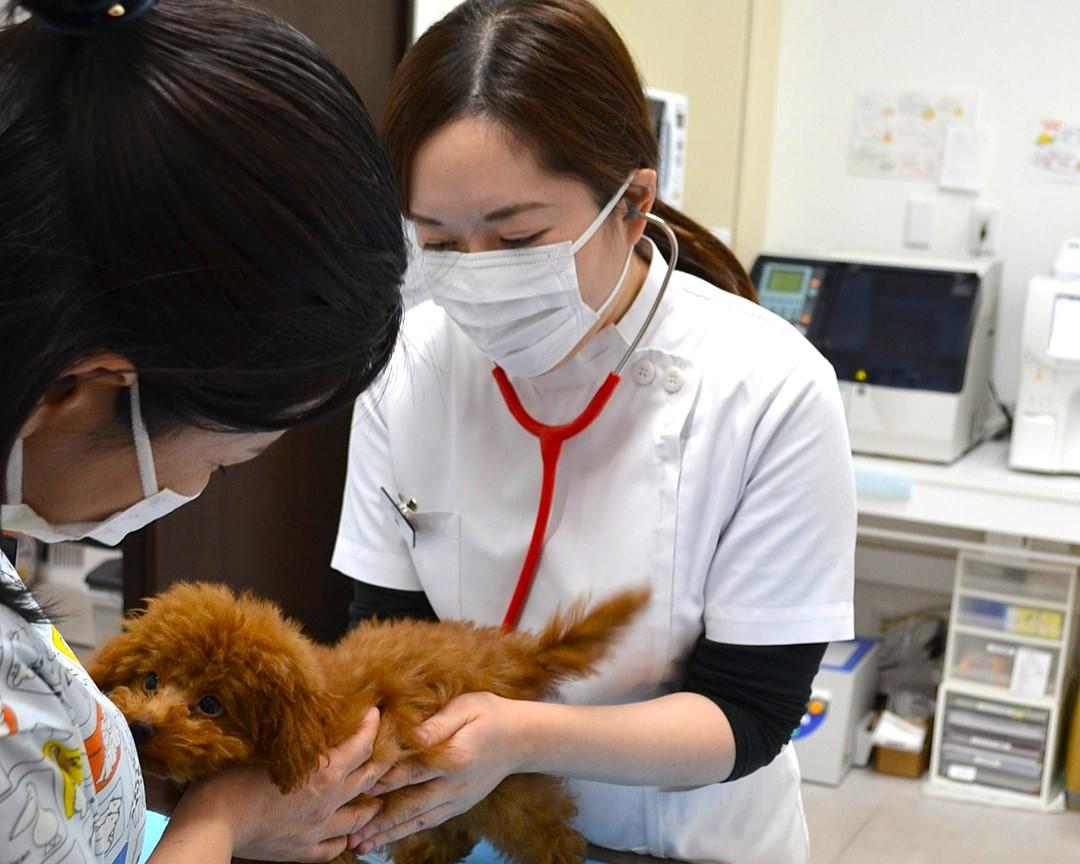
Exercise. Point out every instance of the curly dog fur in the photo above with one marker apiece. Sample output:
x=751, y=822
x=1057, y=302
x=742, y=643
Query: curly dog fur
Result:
x=285, y=700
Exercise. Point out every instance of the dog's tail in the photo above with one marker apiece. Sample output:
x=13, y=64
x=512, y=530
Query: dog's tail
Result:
x=573, y=642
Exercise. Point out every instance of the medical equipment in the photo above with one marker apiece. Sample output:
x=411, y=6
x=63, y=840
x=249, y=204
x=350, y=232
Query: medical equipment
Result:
x=911, y=342
x=1046, y=429
x=842, y=694
x=668, y=114
x=551, y=438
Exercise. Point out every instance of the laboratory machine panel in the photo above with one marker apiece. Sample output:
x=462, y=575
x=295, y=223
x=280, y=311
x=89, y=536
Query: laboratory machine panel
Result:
x=911, y=343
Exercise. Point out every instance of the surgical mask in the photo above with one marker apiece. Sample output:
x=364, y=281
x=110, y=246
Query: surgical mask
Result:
x=521, y=307
x=20, y=517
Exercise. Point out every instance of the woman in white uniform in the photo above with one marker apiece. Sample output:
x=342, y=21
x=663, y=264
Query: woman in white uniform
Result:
x=200, y=247
x=717, y=470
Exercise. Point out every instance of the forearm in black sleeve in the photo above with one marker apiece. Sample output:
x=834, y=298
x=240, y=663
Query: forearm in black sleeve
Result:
x=762, y=689
x=374, y=601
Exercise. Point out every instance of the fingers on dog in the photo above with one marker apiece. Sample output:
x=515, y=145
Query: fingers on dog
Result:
x=357, y=749
x=405, y=774
x=366, y=778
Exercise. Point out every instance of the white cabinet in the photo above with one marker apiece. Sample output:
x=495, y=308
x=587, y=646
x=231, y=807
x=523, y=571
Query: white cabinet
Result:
x=1008, y=669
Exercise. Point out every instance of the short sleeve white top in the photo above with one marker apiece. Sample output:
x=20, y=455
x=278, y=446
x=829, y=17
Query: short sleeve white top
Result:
x=719, y=474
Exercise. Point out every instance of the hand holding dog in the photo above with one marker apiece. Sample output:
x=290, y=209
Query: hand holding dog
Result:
x=243, y=810
x=483, y=749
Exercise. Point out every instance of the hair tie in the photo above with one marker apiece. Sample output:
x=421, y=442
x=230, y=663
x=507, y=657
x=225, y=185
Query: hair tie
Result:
x=86, y=17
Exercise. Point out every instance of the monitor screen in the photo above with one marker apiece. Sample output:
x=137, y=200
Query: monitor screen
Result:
x=899, y=327
x=787, y=281
x=1065, y=328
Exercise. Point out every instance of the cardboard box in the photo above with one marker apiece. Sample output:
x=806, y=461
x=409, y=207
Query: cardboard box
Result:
x=904, y=763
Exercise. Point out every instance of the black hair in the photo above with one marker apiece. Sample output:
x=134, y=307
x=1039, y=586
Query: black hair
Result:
x=201, y=192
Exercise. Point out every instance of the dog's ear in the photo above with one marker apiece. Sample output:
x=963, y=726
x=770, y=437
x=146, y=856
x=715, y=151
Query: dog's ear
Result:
x=291, y=729
x=115, y=662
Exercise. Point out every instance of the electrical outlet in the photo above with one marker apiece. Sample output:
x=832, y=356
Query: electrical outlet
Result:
x=983, y=229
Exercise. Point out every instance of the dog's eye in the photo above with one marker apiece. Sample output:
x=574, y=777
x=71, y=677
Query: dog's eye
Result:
x=150, y=684
x=209, y=706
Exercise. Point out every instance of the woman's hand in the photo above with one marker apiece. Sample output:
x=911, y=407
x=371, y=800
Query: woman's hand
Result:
x=242, y=809
x=481, y=749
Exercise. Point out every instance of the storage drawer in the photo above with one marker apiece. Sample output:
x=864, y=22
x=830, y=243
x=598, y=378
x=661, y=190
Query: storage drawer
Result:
x=1028, y=582
x=1024, y=726
x=963, y=773
x=1021, y=669
x=993, y=744
x=1011, y=617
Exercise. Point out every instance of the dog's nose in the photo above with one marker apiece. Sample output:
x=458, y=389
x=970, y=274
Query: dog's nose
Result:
x=141, y=732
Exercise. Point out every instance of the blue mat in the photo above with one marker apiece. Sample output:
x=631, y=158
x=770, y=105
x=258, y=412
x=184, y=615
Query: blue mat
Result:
x=155, y=827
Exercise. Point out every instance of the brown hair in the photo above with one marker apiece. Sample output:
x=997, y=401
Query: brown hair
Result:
x=557, y=74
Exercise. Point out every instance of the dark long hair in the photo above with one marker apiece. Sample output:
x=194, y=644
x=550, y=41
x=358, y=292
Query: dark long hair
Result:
x=557, y=74
x=203, y=193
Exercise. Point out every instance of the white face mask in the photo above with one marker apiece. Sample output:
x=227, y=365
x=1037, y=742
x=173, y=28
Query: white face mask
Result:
x=20, y=517
x=521, y=307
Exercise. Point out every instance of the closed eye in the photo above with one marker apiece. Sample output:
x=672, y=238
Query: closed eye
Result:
x=519, y=242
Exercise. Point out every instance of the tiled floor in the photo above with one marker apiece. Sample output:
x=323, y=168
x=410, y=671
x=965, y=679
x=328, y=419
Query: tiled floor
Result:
x=875, y=819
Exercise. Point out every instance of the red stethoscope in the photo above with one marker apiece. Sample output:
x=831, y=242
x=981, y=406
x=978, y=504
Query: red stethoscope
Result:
x=552, y=437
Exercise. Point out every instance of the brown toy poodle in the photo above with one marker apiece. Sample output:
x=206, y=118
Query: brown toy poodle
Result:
x=206, y=678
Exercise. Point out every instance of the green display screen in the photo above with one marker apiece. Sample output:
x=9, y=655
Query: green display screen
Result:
x=787, y=281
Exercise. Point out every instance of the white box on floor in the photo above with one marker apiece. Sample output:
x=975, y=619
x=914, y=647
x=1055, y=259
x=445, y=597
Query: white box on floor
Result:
x=842, y=694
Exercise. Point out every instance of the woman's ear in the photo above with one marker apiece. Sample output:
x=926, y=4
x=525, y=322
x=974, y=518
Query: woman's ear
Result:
x=640, y=198
x=84, y=397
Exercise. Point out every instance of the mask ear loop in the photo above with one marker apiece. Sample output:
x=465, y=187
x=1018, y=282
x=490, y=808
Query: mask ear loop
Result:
x=673, y=259
x=144, y=453
x=13, y=478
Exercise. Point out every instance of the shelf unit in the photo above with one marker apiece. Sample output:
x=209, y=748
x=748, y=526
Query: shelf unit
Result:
x=1009, y=667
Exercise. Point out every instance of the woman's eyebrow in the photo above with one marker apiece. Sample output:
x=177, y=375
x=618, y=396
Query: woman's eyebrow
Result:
x=494, y=216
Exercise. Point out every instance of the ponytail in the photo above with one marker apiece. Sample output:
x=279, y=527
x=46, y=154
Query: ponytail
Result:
x=701, y=253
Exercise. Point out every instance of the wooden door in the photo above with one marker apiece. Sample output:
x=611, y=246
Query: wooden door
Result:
x=269, y=525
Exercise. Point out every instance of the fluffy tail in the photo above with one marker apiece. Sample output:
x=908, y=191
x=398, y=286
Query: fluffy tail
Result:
x=573, y=642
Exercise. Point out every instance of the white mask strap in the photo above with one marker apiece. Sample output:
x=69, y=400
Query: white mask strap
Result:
x=601, y=216
x=14, y=474
x=144, y=453
x=618, y=286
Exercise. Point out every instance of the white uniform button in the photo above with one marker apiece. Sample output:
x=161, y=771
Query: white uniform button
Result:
x=644, y=372
x=673, y=380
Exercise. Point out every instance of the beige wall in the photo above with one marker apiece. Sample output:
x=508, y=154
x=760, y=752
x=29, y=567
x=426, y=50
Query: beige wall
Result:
x=696, y=47
x=722, y=55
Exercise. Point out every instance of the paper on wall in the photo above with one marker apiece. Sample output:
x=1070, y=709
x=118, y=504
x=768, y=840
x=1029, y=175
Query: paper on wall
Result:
x=963, y=158
x=1055, y=150
x=901, y=135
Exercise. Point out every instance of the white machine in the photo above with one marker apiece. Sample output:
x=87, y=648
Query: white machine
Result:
x=842, y=694
x=1046, y=428
x=668, y=112
x=911, y=342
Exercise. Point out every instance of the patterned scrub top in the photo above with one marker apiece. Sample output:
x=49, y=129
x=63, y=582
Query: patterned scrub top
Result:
x=70, y=786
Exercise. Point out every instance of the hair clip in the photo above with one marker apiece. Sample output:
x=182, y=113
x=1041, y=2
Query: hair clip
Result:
x=86, y=17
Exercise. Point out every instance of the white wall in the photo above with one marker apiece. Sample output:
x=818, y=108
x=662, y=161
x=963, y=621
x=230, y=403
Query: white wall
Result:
x=1022, y=57
x=427, y=12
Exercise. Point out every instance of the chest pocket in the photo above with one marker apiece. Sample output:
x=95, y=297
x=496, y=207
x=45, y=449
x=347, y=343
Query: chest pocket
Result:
x=437, y=558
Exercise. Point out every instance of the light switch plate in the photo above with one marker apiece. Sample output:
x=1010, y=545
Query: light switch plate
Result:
x=919, y=223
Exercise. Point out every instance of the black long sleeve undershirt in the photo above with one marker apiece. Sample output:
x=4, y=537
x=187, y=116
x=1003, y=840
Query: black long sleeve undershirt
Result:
x=762, y=689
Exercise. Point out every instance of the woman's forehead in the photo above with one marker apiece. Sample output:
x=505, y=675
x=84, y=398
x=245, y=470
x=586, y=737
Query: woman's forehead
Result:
x=475, y=168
